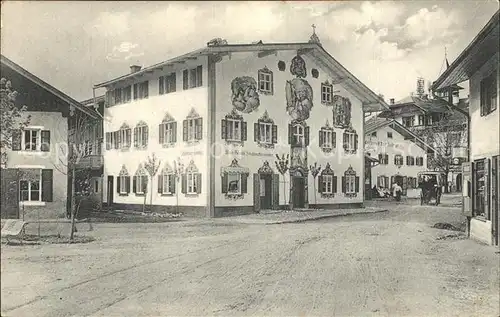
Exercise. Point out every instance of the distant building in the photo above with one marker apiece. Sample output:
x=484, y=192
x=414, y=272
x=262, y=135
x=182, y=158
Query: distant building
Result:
x=218, y=116
x=478, y=64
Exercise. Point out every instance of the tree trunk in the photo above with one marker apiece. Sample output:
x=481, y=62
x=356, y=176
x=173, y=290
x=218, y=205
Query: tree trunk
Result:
x=73, y=204
x=144, y=203
x=151, y=197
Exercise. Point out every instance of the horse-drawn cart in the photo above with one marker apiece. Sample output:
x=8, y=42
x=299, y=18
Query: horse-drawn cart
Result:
x=431, y=184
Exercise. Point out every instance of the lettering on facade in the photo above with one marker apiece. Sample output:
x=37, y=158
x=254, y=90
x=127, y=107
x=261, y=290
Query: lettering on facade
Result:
x=247, y=153
x=196, y=153
x=386, y=144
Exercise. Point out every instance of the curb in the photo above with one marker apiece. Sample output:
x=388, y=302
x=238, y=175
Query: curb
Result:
x=326, y=216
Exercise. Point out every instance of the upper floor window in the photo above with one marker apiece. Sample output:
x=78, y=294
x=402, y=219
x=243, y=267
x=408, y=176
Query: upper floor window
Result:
x=350, y=141
x=265, y=81
x=327, y=138
x=398, y=160
x=192, y=127
x=122, y=95
x=31, y=139
x=141, y=135
x=389, y=135
x=141, y=90
x=350, y=183
x=327, y=182
x=488, y=94
x=140, y=181
x=374, y=134
x=234, y=129
x=383, y=159
x=326, y=93
x=122, y=138
x=419, y=161
x=410, y=160
x=168, y=131
x=123, y=183
x=265, y=131
x=298, y=134
x=167, y=84
x=409, y=121
x=421, y=119
x=192, y=78
x=166, y=181
x=191, y=180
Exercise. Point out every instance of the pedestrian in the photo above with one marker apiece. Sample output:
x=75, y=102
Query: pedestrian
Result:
x=398, y=191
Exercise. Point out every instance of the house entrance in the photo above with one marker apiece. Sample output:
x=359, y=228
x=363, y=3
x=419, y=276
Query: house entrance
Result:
x=265, y=191
x=298, y=191
x=110, y=191
x=458, y=183
x=401, y=181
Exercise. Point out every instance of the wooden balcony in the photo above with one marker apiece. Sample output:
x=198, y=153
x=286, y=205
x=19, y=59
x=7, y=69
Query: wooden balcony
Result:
x=91, y=161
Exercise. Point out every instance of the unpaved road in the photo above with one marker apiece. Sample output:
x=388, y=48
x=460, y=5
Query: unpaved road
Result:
x=368, y=265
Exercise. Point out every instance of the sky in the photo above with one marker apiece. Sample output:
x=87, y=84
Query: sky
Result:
x=386, y=44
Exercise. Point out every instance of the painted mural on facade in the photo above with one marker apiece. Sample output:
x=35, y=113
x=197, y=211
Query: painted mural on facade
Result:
x=245, y=97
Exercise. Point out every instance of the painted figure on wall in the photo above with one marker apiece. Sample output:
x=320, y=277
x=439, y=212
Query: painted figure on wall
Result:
x=298, y=67
x=341, y=112
x=244, y=94
x=299, y=98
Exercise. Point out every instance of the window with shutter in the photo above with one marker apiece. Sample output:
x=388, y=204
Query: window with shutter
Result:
x=185, y=79
x=47, y=185
x=166, y=181
x=141, y=135
x=265, y=131
x=326, y=182
x=234, y=180
x=350, y=183
x=326, y=93
x=327, y=137
x=193, y=127
x=350, y=141
x=16, y=140
x=265, y=77
x=123, y=182
x=31, y=182
x=45, y=144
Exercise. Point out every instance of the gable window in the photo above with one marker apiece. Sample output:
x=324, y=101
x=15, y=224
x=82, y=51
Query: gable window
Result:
x=168, y=131
x=327, y=138
x=123, y=138
x=408, y=121
x=421, y=120
x=383, y=159
x=389, y=135
x=350, y=183
x=265, y=131
x=192, y=127
x=298, y=134
x=234, y=129
x=350, y=141
x=141, y=135
x=326, y=93
x=141, y=90
x=191, y=180
x=140, y=181
x=192, y=78
x=265, y=81
x=410, y=160
x=123, y=182
x=31, y=139
x=419, y=161
x=488, y=94
x=166, y=181
x=167, y=84
x=234, y=180
x=398, y=160
x=327, y=182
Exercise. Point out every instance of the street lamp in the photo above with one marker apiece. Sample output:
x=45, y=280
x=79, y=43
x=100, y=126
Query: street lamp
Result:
x=178, y=171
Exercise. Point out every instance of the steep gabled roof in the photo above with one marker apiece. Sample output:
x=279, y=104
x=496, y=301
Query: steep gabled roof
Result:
x=376, y=123
x=371, y=101
x=37, y=81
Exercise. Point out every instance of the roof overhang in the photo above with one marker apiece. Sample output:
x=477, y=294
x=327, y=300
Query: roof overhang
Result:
x=476, y=54
x=371, y=102
x=29, y=76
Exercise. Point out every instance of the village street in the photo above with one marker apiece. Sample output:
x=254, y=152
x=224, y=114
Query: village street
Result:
x=384, y=264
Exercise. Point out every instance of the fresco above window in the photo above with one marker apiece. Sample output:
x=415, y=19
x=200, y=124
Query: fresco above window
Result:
x=341, y=112
x=298, y=67
x=299, y=98
x=244, y=95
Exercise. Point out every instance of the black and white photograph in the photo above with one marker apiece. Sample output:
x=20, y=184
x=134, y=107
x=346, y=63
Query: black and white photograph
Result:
x=250, y=158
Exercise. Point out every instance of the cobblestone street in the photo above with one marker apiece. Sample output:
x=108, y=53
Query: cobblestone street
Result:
x=381, y=264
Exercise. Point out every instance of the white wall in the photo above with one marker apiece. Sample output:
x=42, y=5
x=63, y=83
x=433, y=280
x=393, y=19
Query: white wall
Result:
x=381, y=144
x=247, y=64
x=485, y=136
x=152, y=110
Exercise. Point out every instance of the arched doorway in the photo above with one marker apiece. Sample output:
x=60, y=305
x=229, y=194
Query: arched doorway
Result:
x=458, y=183
x=298, y=189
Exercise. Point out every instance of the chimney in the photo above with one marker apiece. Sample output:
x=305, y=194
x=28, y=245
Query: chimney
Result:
x=392, y=101
x=135, y=68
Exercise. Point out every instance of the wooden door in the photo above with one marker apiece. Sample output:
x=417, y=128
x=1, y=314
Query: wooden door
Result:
x=10, y=193
x=256, y=192
x=467, y=193
x=265, y=191
x=298, y=192
x=110, y=190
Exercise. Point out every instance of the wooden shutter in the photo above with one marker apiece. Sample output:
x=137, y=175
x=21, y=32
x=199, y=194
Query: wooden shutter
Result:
x=184, y=184
x=145, y=180
x=16, y=139
x=345, y=141
x=172, y=181
x=45, y=138
x=198, y=183
x=161, y=133
x=405, y=183
x=334, y=184
x=386, y=159
x=108, y=140
x=47, y=176
x=224, y=183
x=223, y=132
x=290, y=134
x=334, y=139
x=320, y=138
x=487, y=188
x=244, y=185
x=127, y=184
x=275, y=190
x=174, y=131
x=380, y=159
x=185, y=130
x=199, y=129
x=161, y=87
x=145, y=87
x=306, y=135
x=392, y=181
x=355, y=142
x=256, y=132
x=356, y=184
x=145, y=135
x=320, y=184
x=199, y=76
x=185, y=79
x=386, y=181
x=160, y=184
x=243, y=131
x=274, y=133
x=136, y=93
x=136, y=137
x=343, y=184
x=134, y=185
x=118, y=186
x=256, y=192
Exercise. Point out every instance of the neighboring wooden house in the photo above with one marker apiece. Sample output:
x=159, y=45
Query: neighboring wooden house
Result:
x=478, y=64
x=401, y=155
x=35, y=176
x=224, y=112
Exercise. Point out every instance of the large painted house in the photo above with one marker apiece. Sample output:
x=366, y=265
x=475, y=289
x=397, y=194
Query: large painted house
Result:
x=35, y=176
x=478, y=64
x=401, y=155
x=217, y=118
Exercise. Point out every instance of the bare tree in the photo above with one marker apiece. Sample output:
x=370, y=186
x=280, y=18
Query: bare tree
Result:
x=151, y=165
x=12, y=117
x=315, y=169
x=282, y=166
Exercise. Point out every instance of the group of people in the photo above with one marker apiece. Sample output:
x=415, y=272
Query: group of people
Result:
x=395, y=192
x=428, y=186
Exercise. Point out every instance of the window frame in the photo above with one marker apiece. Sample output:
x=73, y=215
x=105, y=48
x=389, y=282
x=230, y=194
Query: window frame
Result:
x=238, y=178
x=123, y=184
x=350, y=180
x=233, y=133
x=191, y=183
x=30, y=190
x=299, y=132
x=326, y=93
x=488, y=94
x=142, y=132
x=168, y=132
x=38, y=139
x=265, y=81
x=263, y=136
x=166, y=181
x=139, y=180
x=351, y=141
x=327, y=180
x=191, y=129
x=325, y=133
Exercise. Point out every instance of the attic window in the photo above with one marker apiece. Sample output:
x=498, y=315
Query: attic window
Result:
x=315, y=73
x=281, y=66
